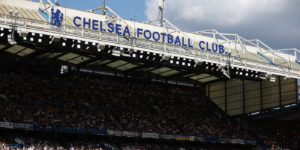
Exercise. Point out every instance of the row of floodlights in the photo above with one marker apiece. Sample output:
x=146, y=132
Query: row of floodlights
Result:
x=164, y=57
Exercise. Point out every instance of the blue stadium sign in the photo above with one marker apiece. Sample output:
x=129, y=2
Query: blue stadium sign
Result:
x=56, y=17
x=94, y=24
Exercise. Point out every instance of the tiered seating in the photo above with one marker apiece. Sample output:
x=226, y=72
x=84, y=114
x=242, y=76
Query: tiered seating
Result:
x=278, y=137
x=106, y=104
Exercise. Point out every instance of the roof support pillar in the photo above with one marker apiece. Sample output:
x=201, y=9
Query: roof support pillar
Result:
x=280, y=102
x=244, y=96
x=261, y=97
x=297, y=91
x=225, y=96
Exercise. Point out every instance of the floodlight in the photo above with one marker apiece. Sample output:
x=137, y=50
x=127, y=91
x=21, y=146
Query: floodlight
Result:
x=78, y=46
x=40, y=40
x=55, y=39
x=198, y=62
x=273, y=79
x=33, y=34
x=141, y=56
x=222, y=66
x=101, y=46
x=23, y=34
x=166, y=57
x=286, y=78
x=64, y=44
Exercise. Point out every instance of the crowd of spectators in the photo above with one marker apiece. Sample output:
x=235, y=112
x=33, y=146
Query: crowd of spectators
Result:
x=278, y=137
x=135, y=106
x=11, y=112
x=18, y=88
x=11, y=140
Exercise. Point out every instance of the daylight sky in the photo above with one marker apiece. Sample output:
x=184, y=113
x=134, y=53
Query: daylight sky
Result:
x=274, y=22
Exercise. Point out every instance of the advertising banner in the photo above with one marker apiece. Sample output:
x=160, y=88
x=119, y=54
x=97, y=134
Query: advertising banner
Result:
x=98, y=131
x=238, y=141
x=225, y=140
x=132, y=134
x=115, y=132
x=24, y=126
x=182, y=137
x=200, y=138
x=167, y=136
x=211, y=139
x=250, y=142
x=6, y=124
x=192, y=138
x=150, y=135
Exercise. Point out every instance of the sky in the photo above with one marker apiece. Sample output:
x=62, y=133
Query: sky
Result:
x=274, y=22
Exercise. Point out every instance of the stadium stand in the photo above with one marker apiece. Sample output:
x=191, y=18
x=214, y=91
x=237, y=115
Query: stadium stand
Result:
x=105, y=103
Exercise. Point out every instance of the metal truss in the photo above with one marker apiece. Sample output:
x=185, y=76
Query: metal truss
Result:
x=174, y=50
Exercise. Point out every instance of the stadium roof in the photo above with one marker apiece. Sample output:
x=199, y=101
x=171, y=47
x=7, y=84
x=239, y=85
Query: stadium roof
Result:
x=79, y=47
